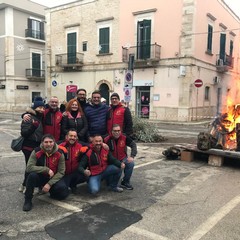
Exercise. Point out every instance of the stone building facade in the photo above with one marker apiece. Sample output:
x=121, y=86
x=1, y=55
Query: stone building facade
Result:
x=22, y=50
x=150, y=52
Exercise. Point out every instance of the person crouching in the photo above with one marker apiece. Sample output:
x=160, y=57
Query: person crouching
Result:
x=46, y=166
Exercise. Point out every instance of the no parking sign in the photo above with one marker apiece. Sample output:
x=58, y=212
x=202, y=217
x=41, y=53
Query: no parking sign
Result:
x=127, y=94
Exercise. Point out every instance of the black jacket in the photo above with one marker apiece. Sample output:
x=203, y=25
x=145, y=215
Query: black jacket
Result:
x=79, y=124
x=32, y=132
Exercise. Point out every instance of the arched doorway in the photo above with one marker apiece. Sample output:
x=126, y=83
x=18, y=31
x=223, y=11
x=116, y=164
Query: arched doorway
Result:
x=104, y=89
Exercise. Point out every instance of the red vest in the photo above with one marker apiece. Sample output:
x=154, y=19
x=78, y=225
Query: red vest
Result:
x=51, y=162
x=52, y=123
x=97, y=162
x=71, y=156
x=118, y=149
x=116, y=116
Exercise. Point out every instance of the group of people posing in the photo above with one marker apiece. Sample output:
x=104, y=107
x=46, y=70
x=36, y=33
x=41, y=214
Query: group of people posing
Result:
x=86, y=143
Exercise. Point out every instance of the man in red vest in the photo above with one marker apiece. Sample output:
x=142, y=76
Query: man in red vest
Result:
x=46, y=166
x=52, y=118
x=119, y=114
x=118, y=143
x=72, y=150
x=98, y=164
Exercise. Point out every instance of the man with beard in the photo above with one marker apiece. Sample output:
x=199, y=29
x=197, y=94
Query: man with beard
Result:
x=96, y=115
x=118, y=144
x=98, y=164
x=72, y=151
x=81, y=97
x=46, y=166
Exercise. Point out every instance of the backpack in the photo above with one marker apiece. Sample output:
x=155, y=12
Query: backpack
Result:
x=204, y=141
x=172, y=153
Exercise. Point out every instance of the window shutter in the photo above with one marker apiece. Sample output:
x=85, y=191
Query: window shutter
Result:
x=71, y=47
x=42, y=30
x=104, y=40
x=209, y=41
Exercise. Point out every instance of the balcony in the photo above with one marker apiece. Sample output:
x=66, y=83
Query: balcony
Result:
x=144, y=55
x=70, y=62
x=34, y=34
x=35, y=74
x=224, y=62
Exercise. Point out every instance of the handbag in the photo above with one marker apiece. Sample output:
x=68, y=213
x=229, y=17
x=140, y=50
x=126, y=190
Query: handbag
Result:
x=17, y=143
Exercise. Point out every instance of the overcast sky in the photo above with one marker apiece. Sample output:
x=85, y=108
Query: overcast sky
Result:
x=234, y=4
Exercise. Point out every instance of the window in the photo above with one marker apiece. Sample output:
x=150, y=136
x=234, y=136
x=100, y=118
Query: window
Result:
x=222, y=46
x=144, y=39
x=35, y=29
x=104, y=40
x=84, y=46
x=209, y=40
x=231, y=48
x=36, y=65
x=207, y=93
x=71, y=47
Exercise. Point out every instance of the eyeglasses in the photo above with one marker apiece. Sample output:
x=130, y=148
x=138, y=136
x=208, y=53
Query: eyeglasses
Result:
x=116, y=130
x=114, y=98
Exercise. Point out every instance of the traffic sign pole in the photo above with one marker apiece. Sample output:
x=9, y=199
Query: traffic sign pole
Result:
x=197, y=83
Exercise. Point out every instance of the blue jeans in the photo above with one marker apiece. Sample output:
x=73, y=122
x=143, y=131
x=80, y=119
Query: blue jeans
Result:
x=111, y=172
x=128, y=170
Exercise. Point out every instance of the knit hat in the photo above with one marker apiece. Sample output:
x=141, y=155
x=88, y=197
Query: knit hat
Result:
x=115, y=95
x=38, y=102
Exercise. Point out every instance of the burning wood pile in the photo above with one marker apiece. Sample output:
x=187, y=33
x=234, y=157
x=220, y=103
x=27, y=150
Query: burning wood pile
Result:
x=225, y=130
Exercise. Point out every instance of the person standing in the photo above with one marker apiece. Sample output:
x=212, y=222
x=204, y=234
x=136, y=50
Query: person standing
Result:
x=72, y=151
x=82, y=98
x=98, y=164
x=46, y=166
x=96, y=115
x=32, y=131
x=118, y=143
x=119, y=114
x=74, y=118
x=51, y=119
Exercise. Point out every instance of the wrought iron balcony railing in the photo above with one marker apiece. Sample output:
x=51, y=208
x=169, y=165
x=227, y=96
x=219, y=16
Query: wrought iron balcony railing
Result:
x=142, y=52
x=33, y=73
x=30, y=33
x=69, y=59
x=224, y=62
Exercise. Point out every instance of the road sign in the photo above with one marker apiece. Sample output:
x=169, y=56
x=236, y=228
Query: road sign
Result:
x=127, y=94
x=198, y=83
x=129, y=79
x=54, y=83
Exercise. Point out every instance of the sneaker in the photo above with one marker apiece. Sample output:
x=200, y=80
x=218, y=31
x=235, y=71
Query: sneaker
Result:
x=21, y=188
x=117, y=189
x=27, y=206
x=126, y=185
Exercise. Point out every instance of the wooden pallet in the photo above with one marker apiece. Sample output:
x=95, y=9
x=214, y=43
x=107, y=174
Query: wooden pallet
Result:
x=215, y=156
